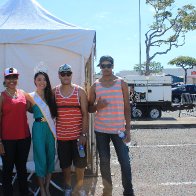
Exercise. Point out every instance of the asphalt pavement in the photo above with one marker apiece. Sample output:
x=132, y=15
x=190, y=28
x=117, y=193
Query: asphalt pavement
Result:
x=163, y=157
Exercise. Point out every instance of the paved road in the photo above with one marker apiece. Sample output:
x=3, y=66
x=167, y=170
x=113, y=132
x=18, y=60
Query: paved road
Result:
x=164, y=162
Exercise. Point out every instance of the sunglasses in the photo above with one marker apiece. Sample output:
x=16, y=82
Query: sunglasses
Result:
x=109, y=66
x=13, y=77
x=65, y=74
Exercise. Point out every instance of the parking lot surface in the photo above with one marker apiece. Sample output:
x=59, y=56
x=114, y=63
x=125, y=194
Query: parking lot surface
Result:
x=164, y=162
x=163, y=157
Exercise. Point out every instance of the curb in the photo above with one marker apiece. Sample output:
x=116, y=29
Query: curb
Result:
x=165, y=126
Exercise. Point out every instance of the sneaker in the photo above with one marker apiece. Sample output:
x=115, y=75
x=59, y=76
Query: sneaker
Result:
x=68, y=192
x=82, y=193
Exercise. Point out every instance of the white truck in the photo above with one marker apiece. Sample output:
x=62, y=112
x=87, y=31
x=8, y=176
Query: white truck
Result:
x=151, y=95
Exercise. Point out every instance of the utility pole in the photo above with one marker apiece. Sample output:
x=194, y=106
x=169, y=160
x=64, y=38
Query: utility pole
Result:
x=139, y=34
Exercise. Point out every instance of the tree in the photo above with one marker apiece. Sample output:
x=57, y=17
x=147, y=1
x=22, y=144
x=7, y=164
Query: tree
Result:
x=185, y=62
x=168, y=29
x=154, y=67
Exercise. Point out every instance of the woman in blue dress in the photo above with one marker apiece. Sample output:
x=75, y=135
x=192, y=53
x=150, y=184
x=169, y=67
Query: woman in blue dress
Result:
x=43, y=131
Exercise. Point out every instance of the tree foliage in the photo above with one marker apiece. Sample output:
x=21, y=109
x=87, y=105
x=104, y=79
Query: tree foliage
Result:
x=168, y=29
x=154, y=67
x=185, y=62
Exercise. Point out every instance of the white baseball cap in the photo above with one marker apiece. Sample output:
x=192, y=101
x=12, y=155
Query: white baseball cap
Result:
x=10, y=71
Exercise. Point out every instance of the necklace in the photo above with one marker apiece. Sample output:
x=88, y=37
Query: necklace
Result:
x=14, y=96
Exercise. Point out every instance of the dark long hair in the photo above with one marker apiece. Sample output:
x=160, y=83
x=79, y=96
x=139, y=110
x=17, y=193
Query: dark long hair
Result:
x=48, y=94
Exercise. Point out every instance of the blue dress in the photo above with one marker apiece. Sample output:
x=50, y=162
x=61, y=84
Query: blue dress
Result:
x=43, y=145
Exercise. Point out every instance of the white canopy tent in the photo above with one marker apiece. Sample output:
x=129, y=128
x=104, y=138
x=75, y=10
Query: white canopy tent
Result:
x=30, y=35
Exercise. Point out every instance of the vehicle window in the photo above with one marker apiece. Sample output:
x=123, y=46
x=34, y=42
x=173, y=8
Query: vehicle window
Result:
x=182, y=88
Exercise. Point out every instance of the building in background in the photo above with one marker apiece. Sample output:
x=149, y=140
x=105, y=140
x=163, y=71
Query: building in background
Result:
x=177, y=74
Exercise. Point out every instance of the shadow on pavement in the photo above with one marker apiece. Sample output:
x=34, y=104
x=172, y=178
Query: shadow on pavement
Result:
x=90, y=183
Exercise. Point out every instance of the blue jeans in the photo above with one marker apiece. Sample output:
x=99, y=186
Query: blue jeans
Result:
x=122, y=151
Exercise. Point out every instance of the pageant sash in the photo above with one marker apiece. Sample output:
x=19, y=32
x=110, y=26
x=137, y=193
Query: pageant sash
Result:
x=45, y=111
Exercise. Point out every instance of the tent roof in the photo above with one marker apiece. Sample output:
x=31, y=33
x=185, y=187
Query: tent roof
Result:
x=25, y=21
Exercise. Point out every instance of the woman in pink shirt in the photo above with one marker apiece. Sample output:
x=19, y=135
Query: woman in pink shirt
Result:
x=15, y=137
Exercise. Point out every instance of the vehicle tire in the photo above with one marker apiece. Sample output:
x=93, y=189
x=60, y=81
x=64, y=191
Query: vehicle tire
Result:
x=154, y=113
x=137, y=113
x=176, y=100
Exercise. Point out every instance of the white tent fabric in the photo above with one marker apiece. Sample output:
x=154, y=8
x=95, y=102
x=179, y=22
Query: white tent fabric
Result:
x=30, y=35
x=37, y=26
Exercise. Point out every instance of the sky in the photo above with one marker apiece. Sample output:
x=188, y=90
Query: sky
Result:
x=117, y=28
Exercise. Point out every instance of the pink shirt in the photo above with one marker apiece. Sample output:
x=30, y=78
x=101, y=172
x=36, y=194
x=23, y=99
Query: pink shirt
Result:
x=110, y=119
x=14, y=117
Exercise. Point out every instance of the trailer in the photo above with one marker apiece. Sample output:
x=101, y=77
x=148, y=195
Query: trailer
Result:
x=150, y=95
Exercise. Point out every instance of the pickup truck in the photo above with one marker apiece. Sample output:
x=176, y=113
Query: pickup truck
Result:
x=179, y=90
